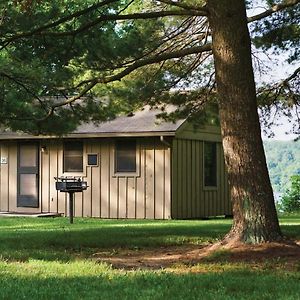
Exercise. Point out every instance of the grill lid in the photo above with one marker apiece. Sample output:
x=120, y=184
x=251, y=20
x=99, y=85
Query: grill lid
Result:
x=70, y=184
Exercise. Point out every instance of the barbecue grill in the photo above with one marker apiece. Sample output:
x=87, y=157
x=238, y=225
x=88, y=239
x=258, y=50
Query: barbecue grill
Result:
x=70, y=185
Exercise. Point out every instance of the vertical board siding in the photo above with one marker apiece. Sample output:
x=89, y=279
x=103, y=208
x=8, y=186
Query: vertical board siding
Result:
x=149, y=180
x=62, y=203
x=189, y=178
x=189, y=197
x=52, y=152
x=140, y=186
x=122, y=197
x=179, y=182
x=131, y=198
x=104, y=174
x=87, y=195
x=45, y=179
x=113, y=188
x=95, y=182
x=194, y=181
x=147, y=195
x=159, y=177
x=167, y=183
x=174, y=179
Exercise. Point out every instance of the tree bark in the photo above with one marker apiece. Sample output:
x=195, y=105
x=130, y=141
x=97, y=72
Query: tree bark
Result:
x=255, y=218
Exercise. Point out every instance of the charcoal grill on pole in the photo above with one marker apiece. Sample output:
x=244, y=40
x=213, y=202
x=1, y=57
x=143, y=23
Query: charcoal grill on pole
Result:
x=70, y=185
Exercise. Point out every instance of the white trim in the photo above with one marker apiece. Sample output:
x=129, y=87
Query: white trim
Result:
x=20, y=136
x=87, y=159
x=84, y=163
x=137, y=173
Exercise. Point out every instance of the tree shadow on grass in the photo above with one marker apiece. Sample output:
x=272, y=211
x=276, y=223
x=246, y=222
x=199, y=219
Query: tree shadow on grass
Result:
x=69, y=243
x=241, y=284
x=291, y=231
x=61, y=241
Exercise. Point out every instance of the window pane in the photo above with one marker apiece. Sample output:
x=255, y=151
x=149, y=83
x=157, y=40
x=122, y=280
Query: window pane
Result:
x=73, y=164
x=125, y=156
x=28, y=185
x=73, y=157
x=210, y=164
x=92, y=159
x=28, y=154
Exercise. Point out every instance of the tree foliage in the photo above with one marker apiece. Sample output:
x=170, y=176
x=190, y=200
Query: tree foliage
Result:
x=291, y=199
x=54, y=52
x=283, y=162
x=67, y=61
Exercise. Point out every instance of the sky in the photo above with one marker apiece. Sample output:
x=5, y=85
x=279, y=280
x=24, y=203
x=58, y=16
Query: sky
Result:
x=279, y=69
x=280, y=132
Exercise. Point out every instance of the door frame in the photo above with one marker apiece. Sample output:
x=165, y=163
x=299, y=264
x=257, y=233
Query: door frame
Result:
x=28, y=170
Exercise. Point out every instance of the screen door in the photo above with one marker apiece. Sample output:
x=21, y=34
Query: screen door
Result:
x=28, y=175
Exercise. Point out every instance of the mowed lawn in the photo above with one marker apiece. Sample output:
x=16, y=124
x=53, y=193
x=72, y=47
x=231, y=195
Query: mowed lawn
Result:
x=51, y=259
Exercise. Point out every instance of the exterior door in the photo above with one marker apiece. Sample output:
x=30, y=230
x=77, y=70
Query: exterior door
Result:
x=28, y=175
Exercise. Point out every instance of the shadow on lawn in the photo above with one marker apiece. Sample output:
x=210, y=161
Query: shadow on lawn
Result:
x=292, y=231
x=60, y=241
x=225, y=285
x=67, y=242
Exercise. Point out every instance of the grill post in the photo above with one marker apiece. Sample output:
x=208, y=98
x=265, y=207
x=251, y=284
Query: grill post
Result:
x=71, y=206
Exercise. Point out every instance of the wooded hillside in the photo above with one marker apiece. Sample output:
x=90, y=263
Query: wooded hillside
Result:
x=283, y=159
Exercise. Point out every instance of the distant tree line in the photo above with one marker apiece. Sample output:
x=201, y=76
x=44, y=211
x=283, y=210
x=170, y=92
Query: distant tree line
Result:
x=283, y=160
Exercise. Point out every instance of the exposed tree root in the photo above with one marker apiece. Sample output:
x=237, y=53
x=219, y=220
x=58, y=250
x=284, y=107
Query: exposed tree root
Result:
x=287, y=253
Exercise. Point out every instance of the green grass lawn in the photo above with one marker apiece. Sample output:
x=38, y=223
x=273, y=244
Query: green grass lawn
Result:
x=51, y=259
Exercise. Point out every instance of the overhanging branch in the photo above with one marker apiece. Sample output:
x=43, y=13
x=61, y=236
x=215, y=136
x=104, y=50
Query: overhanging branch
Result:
x=58, y=22
x=185, y=6
x=102, y=18
x=292, y=76
x=89, y=84
x=153, y=60
x=273, y=9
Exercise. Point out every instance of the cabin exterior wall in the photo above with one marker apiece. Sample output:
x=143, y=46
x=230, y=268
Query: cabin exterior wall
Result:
x=145, y=195
x=169, y=182
x=190, y=197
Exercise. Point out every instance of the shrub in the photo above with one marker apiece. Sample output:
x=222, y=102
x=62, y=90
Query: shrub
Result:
x=291, y=199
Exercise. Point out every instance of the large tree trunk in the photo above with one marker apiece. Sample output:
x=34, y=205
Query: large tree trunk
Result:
x=255, y=218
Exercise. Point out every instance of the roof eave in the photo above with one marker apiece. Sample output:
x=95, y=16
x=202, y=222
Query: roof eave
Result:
x=87, y=135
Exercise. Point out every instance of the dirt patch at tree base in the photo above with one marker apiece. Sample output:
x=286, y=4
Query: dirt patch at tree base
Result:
x=262, y=256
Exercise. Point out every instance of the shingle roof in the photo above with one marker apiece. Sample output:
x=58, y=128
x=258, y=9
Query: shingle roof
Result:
x=140, y=123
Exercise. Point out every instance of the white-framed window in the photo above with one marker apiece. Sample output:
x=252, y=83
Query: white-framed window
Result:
x=210, y=165
x=73, y=157
x=92, y=159
x=125, y=156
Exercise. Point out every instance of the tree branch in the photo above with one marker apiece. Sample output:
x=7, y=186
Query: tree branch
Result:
x=273, y=9
x=134, y=16
x=292, y=76
x=102, y=18
x=58, y=22
x=22, y=85
x=154, y=59
x=138, y=64
x=185, y=6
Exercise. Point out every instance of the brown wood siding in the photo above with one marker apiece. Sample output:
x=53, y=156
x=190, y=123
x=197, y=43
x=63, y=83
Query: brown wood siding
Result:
x=146, y=195
x=190, y=199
